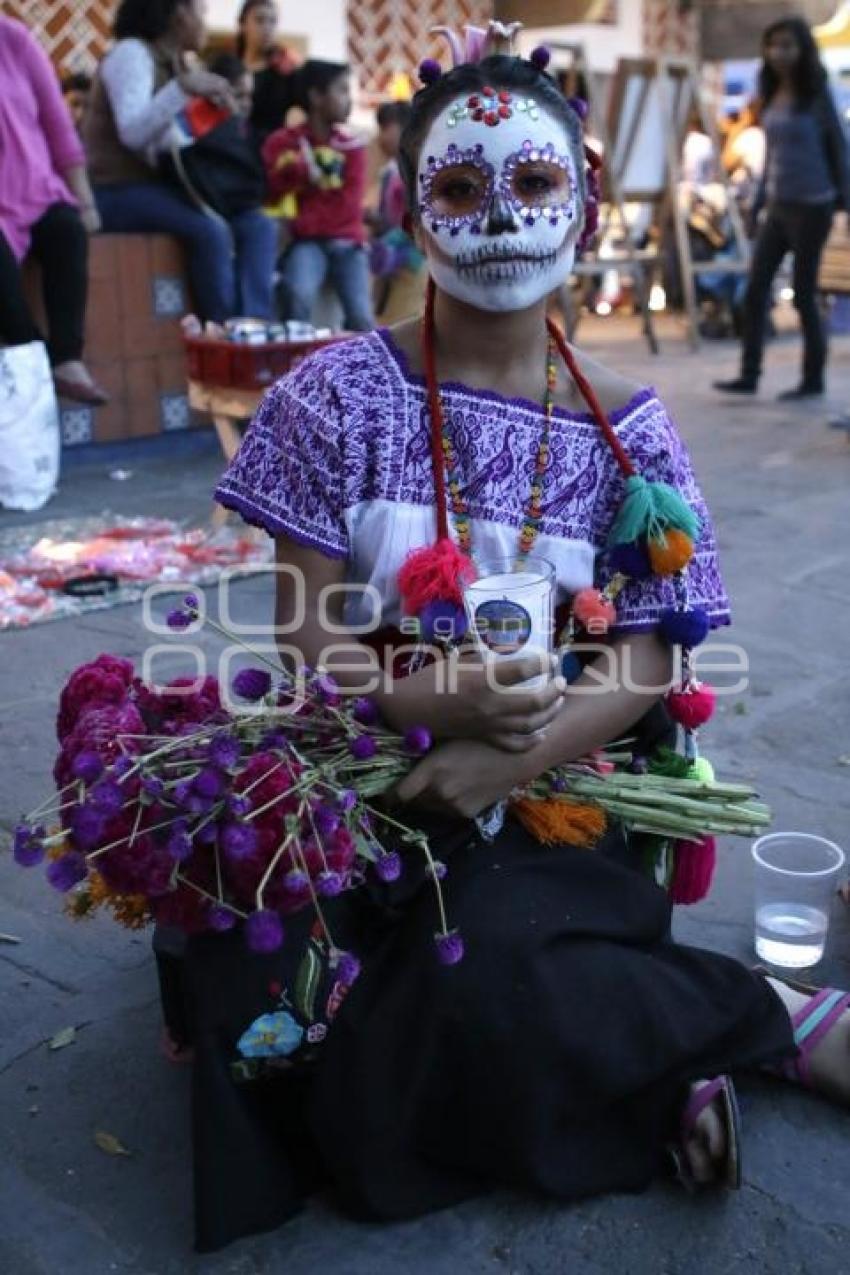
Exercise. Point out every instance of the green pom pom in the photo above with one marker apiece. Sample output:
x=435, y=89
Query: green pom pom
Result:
x=702, y=769
x=648, y=510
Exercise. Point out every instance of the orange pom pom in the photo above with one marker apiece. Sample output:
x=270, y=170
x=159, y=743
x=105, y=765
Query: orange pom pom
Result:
x=671, y=553
x=594, y=611
x=558, y=821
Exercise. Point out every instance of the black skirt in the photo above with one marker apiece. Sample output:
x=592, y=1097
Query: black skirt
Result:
x=555, y=1057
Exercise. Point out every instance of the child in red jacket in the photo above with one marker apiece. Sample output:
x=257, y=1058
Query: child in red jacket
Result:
x=317, y=173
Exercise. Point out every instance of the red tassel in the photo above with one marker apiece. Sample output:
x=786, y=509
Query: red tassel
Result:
x=691, y=707
x=694, y=870
x=436, y=573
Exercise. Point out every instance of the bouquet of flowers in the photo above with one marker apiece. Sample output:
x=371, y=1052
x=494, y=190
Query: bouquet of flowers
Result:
x=172, y=808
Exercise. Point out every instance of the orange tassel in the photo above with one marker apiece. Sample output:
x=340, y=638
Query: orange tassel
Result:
x=558, y=821
x=671, y=553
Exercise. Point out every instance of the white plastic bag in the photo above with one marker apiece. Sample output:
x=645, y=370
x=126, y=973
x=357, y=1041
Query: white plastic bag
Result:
x=29, y=428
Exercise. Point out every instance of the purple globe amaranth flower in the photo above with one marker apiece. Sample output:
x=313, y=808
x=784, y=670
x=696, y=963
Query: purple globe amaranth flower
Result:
x=296, y=882
x=449, y=947
x=347, y=968
x=362, y=747
x=153, y=785
x=238, y=804
x=239, y=841
x=208, y=782
x=252, y=683
x=326, y=821
x=122, y=765
x=179, y=844
x=418, y=740
x=346, y=800
x=178, y=619
x=192, y=601
x=273, y=741
x=107, y=796
x=438, y=869
x=28, y=847
x=365, y=711
x=207, y=834
x=388, y=866
x=87, y=825
x=87, y=766
x=224, y=751
x=63, y=874
x=182, y=792
x=264, y=931
x=559, y=784
x=221, y=919
x=329, y=884
x=197, y=804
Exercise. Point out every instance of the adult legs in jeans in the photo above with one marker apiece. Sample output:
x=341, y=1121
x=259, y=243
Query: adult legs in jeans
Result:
x=808, y=228
x=151, y=207
x=302, y=274
x=352, y=283
x=255, y=236
x=770, y=248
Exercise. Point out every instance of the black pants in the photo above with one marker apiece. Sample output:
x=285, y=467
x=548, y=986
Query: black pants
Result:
x=60, y=244
x=803, y=230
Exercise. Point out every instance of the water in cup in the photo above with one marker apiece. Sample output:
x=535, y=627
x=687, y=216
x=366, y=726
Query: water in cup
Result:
x=791, y=935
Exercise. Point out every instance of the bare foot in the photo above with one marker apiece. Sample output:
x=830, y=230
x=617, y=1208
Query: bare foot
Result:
x=75, y=372
x=829, y=1061
x=705, y=1149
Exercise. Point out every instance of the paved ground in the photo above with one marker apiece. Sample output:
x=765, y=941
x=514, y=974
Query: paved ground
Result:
x=778, y=482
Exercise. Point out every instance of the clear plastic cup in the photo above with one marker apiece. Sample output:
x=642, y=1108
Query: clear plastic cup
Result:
x=510, y=608
x=796, y=876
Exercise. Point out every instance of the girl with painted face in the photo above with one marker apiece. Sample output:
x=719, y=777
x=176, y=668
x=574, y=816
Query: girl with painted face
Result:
x=572, y=1044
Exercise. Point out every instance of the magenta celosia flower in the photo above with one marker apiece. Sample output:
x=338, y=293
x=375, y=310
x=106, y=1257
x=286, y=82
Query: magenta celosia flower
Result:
x=418, y=740
x=388, y=866
x=362, y=747
x=87, y=766
x=221, y=919
x=264, y=931
x=449, y=947
x=252, y=683
x=239, y=840
x=63, y=874
x=102, y=681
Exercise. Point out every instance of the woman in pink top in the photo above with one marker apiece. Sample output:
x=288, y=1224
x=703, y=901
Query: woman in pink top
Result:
x=46, y=207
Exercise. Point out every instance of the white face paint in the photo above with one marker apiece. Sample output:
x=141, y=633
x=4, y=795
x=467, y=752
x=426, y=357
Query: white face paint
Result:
x=499, y=201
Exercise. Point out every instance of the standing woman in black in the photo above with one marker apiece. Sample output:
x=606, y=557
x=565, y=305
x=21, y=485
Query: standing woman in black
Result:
x=269, y=63
x=806, y=179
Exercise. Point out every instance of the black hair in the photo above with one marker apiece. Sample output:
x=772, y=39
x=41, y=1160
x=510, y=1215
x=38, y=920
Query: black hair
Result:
x=502, y=72
x=809, y=72
x=76, y=82
x=145, y=19
x=247, y=7
x=229, y=67
x=393, y=113
x=315, y=76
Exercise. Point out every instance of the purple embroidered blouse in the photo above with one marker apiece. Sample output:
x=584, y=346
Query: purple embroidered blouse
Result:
x=338, y=458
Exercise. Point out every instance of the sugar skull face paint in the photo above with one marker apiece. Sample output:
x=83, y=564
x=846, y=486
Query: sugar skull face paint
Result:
x=499, y=199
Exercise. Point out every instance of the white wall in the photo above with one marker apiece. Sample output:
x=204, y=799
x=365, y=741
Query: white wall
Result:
x=321, y=22
x=603, y=45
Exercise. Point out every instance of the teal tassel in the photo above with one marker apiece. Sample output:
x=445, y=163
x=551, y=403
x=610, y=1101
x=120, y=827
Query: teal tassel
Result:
x=648, y=510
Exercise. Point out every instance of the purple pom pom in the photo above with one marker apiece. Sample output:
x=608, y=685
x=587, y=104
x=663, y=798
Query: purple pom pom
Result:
x=347, y=968
x=362, y=747
x=685, y=628
x=264, y=931
x=541, y=57
x=329, y=884
x=580, y=107
x=630, y=560
x=63, y=874
x=221, y=919
x=87, y=766
x=388, y=867
x=239, y=841
x=28, y=849
x=252, y=683
x=449, y=947
x=430, y=71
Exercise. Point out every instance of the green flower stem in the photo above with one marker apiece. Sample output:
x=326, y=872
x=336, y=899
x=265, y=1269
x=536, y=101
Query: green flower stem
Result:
x=95, y=854
x=315, y=898
x=275, y=860
x=205, y=894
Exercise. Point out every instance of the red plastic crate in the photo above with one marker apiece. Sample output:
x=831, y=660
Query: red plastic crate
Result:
x=238, y=365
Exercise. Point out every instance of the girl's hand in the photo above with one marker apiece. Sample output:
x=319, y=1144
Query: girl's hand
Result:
x=90, y=218
x=200, y=83
x=468, y=699
x=464, y=777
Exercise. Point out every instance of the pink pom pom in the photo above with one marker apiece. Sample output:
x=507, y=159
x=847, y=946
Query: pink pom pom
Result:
x=593, y=610
x=540, y=57
x=694, y=870
x=691, y=707
x=435, y=574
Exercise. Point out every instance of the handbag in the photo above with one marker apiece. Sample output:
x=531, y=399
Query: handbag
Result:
x=215, y=160
x=29, y=428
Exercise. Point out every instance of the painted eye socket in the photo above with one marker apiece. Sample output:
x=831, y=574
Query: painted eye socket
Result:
x=459, y=190
x=540, y=184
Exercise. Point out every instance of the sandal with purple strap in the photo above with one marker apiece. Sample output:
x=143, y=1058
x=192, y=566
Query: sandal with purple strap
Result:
x=811, y=1022
x=723, y=1088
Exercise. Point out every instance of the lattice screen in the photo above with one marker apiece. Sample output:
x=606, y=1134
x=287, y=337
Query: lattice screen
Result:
x=76, y=33
x=390, y=36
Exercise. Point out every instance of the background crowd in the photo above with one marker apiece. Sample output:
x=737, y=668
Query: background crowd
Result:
x=247, y=159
